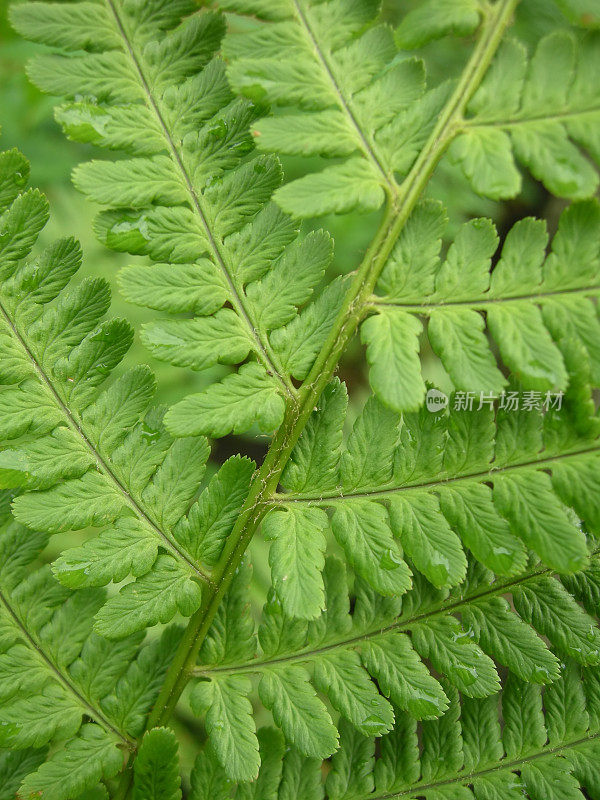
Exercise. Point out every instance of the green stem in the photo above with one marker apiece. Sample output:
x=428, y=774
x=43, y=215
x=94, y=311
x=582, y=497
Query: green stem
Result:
x=483, y=304
x=355, y=306
x=383, y=492
x=348, y=319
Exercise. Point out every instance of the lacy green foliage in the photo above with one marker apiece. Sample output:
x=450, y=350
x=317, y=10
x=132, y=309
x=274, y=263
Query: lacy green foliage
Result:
x=461, y=632
x=427, y=486
x=470, y=540
x=85, y=453
x=190, y=197
x=346, y=93
x=540, y=113
x=531, y=745
x=532, y=304
x=60, y=682
x=357, y=101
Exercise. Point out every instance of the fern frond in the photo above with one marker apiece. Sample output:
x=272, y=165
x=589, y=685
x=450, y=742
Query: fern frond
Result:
x=188, y=195
x=85, y=452
x=61, y=682
x=532, y=304
x=425, y=486
x=346, y=92
x=404, y=497
x=357, y=101
x=530, y=745
x=542, y=113
x=457, y=631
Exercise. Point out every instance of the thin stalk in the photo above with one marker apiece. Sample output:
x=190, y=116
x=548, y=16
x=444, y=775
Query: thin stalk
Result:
x=348, y=319
x=383, y=492
x=466, y=778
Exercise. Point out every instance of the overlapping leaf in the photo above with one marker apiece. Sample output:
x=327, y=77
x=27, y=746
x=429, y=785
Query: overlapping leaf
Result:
x=543, y=113
x=63, y=684
x=424, y=488
x=532, y=304
x=476, y=751
x=86, y=452
x=230, y=265
x=339, y=655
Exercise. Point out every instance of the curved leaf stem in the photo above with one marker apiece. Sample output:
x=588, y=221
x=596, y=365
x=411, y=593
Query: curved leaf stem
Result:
x=266, y=479
x=467, y=778
x=352, y=312
x=483, y=303
x=380, y=493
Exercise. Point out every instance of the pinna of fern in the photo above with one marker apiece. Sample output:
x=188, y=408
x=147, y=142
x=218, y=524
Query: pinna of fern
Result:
x=191, y=195
x=448, y=501
x=524, y=743
x=62, y=684
x=426, y=487
x=86, y=451
x=371, y=663
x=530, y=304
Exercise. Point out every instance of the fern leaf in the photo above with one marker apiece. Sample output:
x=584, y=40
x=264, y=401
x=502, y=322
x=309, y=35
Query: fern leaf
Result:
x=157, y=767
x=15, y=765
x=227, y=710
x=434, y=19
x=84, y=761
x=298, y=540
x=541, y=113
x=87, y=455
x=462, y=633
x=529, y=303
x=61, y=682
x=288, y=694
x=153, y=598
x=470, y=538
x=357, y=102
x=189, y=196
x=232, y=406
x=423, y=488
x=478, y=749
